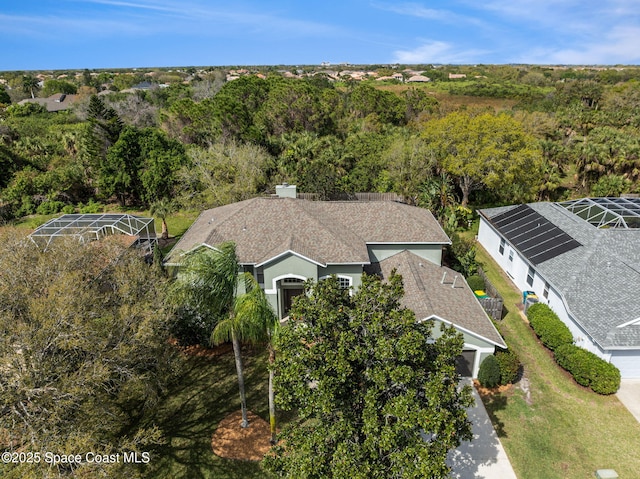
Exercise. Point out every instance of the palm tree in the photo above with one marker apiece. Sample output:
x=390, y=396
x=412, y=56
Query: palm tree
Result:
x=162, y=208
x=208, y=281
x=272, y=359
x=248, y=321
x=30, y=84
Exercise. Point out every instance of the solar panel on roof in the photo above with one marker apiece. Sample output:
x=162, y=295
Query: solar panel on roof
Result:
x=534, y=236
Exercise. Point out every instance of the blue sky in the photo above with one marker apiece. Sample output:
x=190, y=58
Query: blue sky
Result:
x=74, y=34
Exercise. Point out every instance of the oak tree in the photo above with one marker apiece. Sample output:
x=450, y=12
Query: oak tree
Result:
x=486, y=151
x=376, y=392
x=84, y=355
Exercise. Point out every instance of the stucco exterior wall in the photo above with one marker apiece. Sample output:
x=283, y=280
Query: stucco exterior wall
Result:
x=481, y=347
x=352, y=271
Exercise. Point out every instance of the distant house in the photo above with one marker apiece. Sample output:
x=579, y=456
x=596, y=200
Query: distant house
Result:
x=56, y=102
x=283, y=241
x=418, y=79
x=456, y=76
x=582, y=258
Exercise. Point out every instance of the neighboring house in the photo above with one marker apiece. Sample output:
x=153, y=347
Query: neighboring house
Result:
x=284, y=241
x=582, y=258
x=418, y=79
x=57, y=102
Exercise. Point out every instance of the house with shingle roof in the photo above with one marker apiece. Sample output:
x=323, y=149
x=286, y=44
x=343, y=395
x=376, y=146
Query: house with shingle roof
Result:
x=582, y=258
x=53, y=103
x=283, y=241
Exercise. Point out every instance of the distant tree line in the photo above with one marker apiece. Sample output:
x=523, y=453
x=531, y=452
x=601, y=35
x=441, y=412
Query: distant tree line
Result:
x=537, y=134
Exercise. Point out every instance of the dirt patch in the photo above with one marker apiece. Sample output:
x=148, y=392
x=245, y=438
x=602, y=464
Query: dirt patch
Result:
x=490, y=392
x=247, y=444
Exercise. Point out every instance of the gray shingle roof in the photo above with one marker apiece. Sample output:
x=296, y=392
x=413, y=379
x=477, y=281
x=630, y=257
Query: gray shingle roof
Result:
x=426, y=295
x=600, y=280
x=327, y=232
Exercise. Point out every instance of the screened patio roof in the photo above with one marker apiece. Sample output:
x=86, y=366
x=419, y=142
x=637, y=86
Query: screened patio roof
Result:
x=91, y=227
x=607, y=212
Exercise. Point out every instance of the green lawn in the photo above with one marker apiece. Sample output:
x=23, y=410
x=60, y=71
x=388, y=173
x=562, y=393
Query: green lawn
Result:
x=206, y=393
x=558, y=429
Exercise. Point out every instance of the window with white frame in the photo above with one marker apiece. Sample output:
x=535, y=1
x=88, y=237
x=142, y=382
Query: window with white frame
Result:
x=545, y=293
x=501, y=248
x=511, y=255
x=344, y=282
x=530, y=275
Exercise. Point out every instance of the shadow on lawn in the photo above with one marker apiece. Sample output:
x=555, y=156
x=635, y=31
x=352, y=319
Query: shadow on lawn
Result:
x=206, y=393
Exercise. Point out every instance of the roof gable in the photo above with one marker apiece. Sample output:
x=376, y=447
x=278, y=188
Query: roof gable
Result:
x=433, y=291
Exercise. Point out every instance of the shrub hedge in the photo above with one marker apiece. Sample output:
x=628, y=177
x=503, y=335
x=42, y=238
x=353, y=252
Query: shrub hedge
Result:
x=588, y=369
x=509, y=365
x=548, y=327
x=489, y=372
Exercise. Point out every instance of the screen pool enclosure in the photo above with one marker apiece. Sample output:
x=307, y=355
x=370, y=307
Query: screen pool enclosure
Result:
x=607, y=212
x=91, y=227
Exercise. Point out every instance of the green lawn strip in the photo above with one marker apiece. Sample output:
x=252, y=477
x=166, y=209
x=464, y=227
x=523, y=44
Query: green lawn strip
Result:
x=559, y=430
x=205, y=394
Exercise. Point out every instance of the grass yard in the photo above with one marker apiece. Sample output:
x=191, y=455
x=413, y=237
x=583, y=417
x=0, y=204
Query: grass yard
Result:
x=556, y=429
x=206, y=393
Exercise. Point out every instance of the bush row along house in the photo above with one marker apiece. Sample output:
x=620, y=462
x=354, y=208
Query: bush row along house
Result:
x=284, y=241
x=582, y=258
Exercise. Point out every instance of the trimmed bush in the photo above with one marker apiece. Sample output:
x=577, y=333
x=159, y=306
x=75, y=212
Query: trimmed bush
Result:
x=476, y=282
x=588, y=369
x=548, y=327
x=509, y=364
x=605, y=377
x=489, y=373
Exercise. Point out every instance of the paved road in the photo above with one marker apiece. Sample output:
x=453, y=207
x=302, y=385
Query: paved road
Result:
x=484, y=456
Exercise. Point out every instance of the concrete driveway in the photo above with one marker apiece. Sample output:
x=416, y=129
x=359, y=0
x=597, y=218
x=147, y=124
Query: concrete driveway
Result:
x=484, y=456
x=629, y=395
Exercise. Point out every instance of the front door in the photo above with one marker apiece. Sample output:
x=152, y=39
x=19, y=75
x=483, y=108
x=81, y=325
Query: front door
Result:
x=287, y=299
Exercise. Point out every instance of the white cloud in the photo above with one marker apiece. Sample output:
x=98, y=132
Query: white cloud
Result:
x=44, y=26
x=141, y=17
x=437, y=52
x=419, y=11
x=618, y=46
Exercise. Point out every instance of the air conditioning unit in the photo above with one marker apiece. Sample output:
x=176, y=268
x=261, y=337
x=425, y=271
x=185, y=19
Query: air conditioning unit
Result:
x=606, y=474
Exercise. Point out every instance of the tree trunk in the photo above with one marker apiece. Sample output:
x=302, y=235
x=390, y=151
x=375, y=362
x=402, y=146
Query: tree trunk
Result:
x=243, y=398
x=272, y=406
x=465, y=186
x=165, y=230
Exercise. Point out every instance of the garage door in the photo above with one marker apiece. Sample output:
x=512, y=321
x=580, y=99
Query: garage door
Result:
x=464, y=363
x=628, y=362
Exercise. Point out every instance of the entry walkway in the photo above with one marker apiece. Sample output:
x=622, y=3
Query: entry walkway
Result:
x=483, y=457
x=629, y=395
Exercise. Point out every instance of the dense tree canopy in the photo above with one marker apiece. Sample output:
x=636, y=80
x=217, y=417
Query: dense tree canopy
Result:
x=327, y=137
x=486, y=151
x=376, y=393
x=84, y=351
